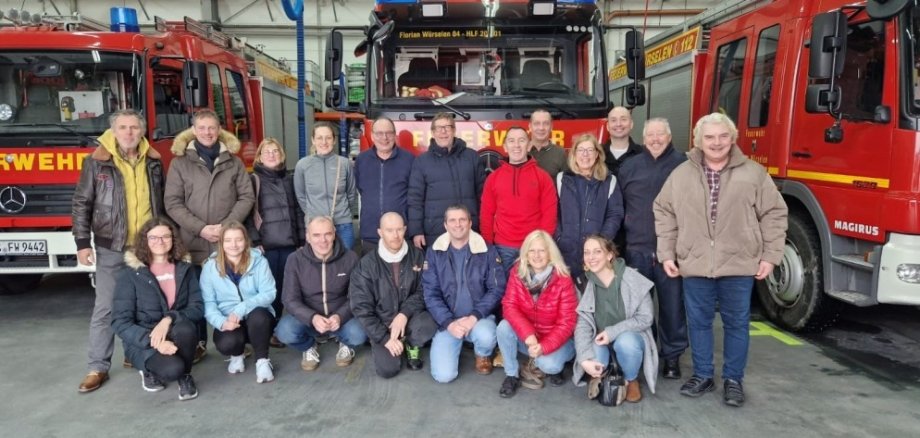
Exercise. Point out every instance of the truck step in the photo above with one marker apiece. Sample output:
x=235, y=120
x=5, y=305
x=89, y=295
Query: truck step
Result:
x=856, y=261
x=853, y=297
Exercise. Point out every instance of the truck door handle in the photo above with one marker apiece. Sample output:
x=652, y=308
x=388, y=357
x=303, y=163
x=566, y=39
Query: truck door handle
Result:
x=801, y=154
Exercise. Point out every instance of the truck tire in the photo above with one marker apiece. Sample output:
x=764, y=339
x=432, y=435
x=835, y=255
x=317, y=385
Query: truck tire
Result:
x=793, y=295
x=489, y=160
x=19, y=283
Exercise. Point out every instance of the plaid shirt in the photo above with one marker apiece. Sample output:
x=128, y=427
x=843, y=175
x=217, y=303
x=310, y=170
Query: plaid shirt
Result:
x=714, y=178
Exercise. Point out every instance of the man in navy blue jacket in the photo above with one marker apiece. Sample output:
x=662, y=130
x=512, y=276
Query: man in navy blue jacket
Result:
x=463, y=282
x=382, y=176
x=641, y=178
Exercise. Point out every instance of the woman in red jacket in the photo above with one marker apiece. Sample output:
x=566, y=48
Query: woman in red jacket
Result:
x=539, y=310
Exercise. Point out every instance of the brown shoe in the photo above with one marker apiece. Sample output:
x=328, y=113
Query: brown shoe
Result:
x=483, y=365
x=498, y=361
x=93, y=380
x=275, y=343
x=200, y=352
x=531, y=376
x=633, y=393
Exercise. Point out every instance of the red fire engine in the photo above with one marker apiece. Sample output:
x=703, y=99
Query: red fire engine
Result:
x=60, y=78
x=490, y=63
x=826, y=96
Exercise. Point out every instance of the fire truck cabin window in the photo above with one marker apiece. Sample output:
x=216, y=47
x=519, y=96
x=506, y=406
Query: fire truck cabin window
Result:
x=913, y=32
x=762, y=85
x=726, y=90
x=863, y=70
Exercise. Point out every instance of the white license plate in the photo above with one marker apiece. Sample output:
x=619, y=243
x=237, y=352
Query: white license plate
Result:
x=23, y=247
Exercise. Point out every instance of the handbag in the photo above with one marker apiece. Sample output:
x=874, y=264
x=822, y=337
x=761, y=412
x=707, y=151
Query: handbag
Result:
x=612, y=390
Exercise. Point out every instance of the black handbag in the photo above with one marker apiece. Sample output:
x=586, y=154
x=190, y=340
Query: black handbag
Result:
x=612, y=391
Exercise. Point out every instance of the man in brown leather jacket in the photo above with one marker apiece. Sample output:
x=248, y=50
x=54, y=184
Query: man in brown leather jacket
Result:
x=120, y=188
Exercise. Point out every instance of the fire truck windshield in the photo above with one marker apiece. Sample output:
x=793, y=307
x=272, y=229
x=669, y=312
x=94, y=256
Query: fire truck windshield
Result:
x=54, y=94
x=494, y=66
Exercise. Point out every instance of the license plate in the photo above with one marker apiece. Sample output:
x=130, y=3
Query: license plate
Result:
x=23, y=247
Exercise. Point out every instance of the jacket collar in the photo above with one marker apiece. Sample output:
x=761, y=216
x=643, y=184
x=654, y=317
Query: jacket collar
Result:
x=102, y=153
x=455, y=149
x=735, y=158
x=135, y=263
x=477, y=243
x=184, y=140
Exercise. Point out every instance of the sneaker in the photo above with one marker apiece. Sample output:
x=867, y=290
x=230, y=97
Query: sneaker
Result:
x=310, y=359
x=236, y=365
x=264, y=371
x=345, y=355
x=187, y=388
x=733, y=394
x=531, y=376
x=151, y=383
x=201, y=350
x=509, y=387
x=414, y=361
x=697, y=386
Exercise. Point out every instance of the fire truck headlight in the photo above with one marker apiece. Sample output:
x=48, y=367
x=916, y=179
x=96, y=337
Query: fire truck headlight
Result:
x=432, y=10
x=6, y=112
x=543, y=7
x=909, y=273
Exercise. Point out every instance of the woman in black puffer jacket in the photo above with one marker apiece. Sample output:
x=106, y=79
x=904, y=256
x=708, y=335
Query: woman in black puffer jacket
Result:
x=276, y=225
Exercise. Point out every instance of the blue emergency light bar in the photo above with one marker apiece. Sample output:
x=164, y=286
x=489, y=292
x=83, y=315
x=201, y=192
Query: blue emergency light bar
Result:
x=123, y=19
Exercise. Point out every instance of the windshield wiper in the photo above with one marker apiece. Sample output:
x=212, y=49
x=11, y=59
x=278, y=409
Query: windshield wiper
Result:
x=84, y=139
x=555, y=106
x=444, y=102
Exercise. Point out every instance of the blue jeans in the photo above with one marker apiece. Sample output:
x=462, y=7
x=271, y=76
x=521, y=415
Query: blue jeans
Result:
x=301, y=337
x=734, y=297
x=346, y=233
x=445, y=349
x=672, y=318
x=509, y=255
x=629, y=348
x=510, y=345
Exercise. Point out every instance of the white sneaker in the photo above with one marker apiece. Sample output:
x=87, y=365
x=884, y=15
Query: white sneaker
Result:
x=310, y=359
x=236, y=364
x=264, y=371
x=345, y=355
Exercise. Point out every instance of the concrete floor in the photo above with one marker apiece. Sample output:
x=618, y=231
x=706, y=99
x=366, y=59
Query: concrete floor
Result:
x=792, y=390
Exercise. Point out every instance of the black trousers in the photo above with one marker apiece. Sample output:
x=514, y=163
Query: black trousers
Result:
x=169, y=368
x=672, y=318
x=255, y=329
x=277, y=258
x=419, y=330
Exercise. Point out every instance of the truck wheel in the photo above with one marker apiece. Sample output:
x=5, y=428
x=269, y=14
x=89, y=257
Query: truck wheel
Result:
x=19, y=283
x=793, y=295
x=489, y=160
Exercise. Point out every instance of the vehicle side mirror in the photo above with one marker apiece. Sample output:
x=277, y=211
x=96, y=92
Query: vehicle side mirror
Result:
x=195, y=79
x=635, y=95
x=334, y=56
x=334, y=96
x=635, y=56
x=820, y=99
x=828, y=45
x=885, y=9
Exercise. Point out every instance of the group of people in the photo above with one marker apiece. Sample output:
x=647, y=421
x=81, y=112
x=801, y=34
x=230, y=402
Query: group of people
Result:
x=525, y=259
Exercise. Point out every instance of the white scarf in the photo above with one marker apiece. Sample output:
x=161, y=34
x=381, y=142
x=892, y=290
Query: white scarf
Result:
x=389, y=257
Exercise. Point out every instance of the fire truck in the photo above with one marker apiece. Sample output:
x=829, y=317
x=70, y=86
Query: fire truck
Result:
x=489, y=63
x=60, y=79
x=826, y=96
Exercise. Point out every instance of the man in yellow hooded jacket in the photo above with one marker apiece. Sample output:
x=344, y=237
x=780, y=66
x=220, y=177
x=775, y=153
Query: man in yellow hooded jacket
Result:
x=120, y=188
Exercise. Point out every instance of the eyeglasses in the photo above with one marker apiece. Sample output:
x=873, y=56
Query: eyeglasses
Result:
x=442, y=128
x=160, y=239
x=584, y=151
x=271, y=152
x=385, y=133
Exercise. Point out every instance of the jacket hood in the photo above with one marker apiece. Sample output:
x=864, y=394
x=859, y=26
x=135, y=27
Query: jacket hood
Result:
x=455, y=149
x=338, y=250
x=135, y=263
x=184, y=138
x=108, y=146
x=735, y=158
x=477, y=243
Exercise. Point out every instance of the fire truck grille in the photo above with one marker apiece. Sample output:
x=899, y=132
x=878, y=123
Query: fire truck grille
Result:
x=42, y=201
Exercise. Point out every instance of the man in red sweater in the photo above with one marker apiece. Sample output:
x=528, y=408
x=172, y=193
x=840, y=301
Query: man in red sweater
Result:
x=518, y=197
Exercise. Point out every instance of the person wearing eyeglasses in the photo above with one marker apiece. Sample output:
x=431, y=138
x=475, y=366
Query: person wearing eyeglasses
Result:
x=382, y=176
x=448, y=173
x=157, y=307
x=589, y=201
x=120, y=188
x=276, y=225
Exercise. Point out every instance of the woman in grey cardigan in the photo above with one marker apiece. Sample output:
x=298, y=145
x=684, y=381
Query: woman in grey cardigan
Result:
x=615, y=298
x=325, y=184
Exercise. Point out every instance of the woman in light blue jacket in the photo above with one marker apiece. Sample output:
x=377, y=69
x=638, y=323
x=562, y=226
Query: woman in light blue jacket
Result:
x=238, y=288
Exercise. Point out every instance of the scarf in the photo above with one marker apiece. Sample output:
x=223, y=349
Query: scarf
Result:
x=389, y=257
x=536, y=282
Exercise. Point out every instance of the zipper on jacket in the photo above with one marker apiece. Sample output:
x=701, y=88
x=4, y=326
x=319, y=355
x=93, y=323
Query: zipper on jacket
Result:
x=325, y=304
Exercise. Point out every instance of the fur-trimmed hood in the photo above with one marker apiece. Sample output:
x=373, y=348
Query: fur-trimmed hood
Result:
x=185, y=138
x=135, y=263
x=477, y=243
